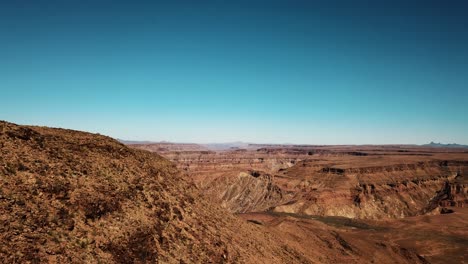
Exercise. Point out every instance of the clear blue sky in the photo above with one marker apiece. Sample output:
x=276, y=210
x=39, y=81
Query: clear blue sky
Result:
x=318, y=72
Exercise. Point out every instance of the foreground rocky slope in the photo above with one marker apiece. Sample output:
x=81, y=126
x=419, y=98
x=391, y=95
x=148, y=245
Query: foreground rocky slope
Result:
x=68, y=196
x=74, y=197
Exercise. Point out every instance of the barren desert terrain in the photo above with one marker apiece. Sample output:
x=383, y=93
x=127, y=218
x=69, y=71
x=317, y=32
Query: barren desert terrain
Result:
x=406, y=195
x=73, y=197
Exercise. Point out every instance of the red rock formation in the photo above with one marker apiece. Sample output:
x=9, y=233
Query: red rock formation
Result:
x=359, y=182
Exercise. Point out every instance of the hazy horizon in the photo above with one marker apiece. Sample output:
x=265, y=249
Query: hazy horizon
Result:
x=267, y=143
x=149, y=141
x=300, y=72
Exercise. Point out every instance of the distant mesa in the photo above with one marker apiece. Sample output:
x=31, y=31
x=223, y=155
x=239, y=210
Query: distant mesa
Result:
x=442, y=145
x=151, y=145
x=226, y=146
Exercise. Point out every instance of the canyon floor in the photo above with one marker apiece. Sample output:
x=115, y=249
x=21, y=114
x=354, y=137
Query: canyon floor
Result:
x=393, y=197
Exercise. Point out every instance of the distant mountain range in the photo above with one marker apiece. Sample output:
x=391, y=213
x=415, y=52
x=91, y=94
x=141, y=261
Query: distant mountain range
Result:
x=244, y=145
x=210, y=146
x=226, y=146
x=442, y=145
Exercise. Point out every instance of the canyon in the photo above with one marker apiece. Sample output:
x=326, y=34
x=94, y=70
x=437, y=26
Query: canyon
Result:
x=365, y=190
x=68, y=196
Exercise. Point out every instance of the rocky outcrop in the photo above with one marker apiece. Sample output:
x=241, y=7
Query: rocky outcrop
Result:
x=452, y=194
x=251, y=191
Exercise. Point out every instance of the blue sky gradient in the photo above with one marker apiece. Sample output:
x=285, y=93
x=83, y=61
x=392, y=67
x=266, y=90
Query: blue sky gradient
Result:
x=317, y=72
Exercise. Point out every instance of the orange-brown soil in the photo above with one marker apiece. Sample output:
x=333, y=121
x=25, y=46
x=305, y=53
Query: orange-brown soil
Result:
x=73, y=197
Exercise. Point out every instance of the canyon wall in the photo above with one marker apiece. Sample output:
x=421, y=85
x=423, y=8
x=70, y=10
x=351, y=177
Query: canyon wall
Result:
x=366, y=182
x=394, y=191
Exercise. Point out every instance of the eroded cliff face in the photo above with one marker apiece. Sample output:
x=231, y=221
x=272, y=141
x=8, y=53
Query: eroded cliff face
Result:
x=365, y=183
x=240, y=180
x=251, y=191
x=378, y=192
x=216, y=162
